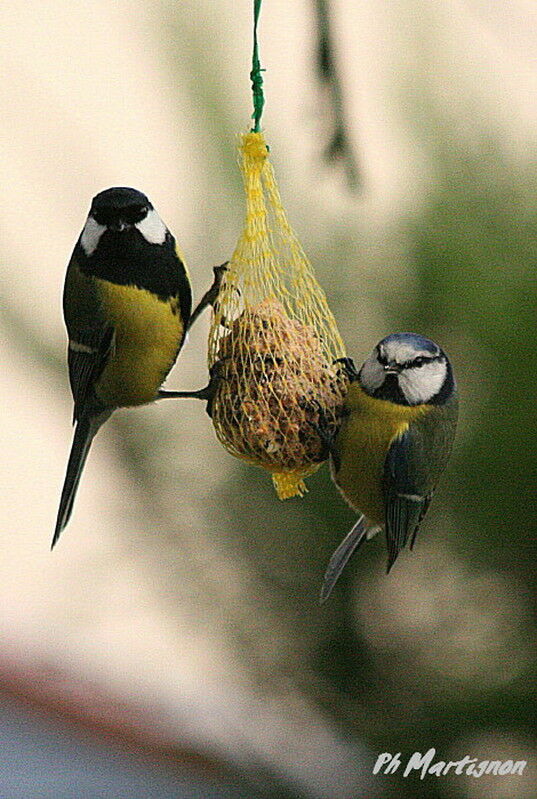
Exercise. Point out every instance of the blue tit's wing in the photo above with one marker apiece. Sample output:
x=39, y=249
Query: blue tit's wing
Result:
x=406, y=497
x=91, y=336
x=412, y=468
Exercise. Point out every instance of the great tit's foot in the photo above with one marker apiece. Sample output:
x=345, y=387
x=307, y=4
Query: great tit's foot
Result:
x=206, y=394
x=349, y=368
x=163, y=394
x=210, y=296
x=211, y=389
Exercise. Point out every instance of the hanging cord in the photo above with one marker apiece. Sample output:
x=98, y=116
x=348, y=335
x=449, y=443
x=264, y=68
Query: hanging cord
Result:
x=256, y=76
x=339, y=146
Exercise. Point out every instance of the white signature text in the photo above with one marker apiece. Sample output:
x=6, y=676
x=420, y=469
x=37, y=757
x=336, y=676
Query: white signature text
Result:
x=388, y=763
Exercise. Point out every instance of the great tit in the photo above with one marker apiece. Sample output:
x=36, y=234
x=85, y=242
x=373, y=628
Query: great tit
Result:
x=394, y=442
x=127, y=307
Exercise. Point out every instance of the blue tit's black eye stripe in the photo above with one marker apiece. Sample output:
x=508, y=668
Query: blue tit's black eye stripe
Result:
x=419, y=361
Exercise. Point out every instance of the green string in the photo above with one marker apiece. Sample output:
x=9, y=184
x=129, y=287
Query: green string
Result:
x=255, y=75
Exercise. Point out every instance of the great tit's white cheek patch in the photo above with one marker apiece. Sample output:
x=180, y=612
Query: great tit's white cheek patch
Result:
x=91, y=235
x=372, y=374
x=152, y=228
x=421, y=383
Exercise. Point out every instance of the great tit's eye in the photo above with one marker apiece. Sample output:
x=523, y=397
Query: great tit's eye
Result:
x=134, y=213
x=101, y=217
x=381, y=358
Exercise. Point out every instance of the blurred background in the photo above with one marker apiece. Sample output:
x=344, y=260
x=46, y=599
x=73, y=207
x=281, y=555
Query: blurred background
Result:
x=172, y=645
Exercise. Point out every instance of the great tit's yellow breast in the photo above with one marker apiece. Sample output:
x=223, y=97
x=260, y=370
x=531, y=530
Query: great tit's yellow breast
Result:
x=367, y=431
x=148, y=335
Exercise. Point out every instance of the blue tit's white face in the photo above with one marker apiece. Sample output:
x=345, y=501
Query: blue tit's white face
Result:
x=407, y=369
x=117, y=211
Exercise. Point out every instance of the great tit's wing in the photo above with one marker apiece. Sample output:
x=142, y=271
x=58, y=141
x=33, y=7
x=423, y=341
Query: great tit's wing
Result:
x=87, y=356
x=413, y=465
x=341, y=556
x=181, y=286
x=91, y=340
x=91, y=336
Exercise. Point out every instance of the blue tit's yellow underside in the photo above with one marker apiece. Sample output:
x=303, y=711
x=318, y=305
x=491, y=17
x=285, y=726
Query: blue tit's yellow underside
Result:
x=368, y=428
x=148, y=333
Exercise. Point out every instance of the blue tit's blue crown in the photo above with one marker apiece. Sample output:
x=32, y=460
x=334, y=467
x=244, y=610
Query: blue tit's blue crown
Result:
x=413, y=340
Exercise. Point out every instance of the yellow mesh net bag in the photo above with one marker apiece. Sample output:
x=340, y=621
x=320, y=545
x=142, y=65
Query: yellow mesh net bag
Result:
x=274, y=340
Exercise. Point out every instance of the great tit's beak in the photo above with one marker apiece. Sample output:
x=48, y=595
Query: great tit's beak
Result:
x=119, y=226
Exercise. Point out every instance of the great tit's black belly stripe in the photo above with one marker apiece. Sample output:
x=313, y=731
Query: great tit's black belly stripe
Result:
x=127, y=259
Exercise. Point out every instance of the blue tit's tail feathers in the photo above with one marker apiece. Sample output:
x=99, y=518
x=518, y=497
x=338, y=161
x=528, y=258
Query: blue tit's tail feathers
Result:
x=85, y=431
x=341, y=556
x=403, y=516
x=426, y=503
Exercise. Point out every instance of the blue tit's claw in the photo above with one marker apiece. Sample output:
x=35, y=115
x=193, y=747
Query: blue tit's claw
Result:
x=321, y=427
x=349, y=368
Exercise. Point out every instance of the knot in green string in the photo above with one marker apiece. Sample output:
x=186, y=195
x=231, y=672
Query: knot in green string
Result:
x=256, y=76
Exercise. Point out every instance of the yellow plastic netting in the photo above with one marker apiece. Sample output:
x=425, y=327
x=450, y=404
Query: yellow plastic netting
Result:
x=274, y=341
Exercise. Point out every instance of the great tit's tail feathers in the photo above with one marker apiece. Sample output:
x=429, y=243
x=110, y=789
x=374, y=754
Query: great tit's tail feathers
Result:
x=85, y=430
x=341, y=556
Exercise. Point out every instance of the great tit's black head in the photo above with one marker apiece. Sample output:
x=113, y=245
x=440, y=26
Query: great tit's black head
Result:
x=408, y=369
x=119, y=207
x=118, y=211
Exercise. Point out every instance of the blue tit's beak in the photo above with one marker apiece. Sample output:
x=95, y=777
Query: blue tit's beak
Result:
x=392, y=368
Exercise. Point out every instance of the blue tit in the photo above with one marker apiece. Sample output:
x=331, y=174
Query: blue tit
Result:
x=394, y=442
x=127, y=307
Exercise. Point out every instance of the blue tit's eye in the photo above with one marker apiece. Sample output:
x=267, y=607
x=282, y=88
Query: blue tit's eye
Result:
x=420, y=360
